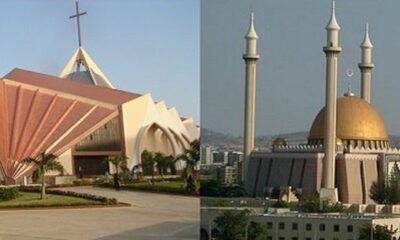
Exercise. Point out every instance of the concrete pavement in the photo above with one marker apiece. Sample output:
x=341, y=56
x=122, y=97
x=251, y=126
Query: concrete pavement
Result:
x=151, y=216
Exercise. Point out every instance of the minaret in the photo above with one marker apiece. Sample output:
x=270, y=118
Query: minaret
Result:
x=366, y=66
x=250, y=59
x=332, y=50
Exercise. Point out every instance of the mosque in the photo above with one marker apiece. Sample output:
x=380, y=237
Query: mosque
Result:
x=348, y=145
x=80, y=117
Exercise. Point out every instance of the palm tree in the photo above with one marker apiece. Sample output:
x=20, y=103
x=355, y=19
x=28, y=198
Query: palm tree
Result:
x=44, y=162
x=134, y=169
x=148, y=164
x=119, y=162
x=163, y=163
x=191, y=157
x=171, y=161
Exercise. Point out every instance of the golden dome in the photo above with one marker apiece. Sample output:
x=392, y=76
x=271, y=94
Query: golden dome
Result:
x=356, y=119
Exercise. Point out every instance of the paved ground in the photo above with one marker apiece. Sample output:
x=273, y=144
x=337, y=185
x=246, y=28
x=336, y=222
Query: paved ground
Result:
x=152, y=216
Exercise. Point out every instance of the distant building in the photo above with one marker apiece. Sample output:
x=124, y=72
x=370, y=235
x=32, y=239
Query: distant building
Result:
x=220, y=157
x=284, y=225
x=234, y=157
x=206, y=156
x=228, y=174
x=210, y=172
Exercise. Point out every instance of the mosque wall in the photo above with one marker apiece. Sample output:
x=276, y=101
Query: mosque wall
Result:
x=274, y=170
x=354, y=176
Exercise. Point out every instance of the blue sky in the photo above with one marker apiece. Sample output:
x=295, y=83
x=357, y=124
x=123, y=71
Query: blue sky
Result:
x=291, y=70
x=142, y=46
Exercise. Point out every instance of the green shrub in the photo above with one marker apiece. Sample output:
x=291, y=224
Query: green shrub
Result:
x=83, y=182
x=282, y=204
x=102, y=180
x=148, y=187
x=322, y=206
x=103, y=200
x=8, y=193
x=220, y=203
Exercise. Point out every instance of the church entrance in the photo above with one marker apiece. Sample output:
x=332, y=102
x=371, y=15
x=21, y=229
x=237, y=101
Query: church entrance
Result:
x=87, y=166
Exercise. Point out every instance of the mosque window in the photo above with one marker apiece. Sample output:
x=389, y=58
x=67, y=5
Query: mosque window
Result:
x=269, y=225
x=336, y=228
x=349, y=228
x=281, y=225
x=294, y=226
x=322, y=227
x=308, y=227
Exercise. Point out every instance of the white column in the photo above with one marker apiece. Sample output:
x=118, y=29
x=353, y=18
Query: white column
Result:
x=332, y=50
x=366, y=66
x=250, y=57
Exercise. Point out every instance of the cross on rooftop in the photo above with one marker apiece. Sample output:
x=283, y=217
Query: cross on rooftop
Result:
x=77, y=15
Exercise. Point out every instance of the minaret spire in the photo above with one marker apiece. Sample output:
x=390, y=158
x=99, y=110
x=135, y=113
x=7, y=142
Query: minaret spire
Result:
x=332, y=50
x=250, y=58
x=251, y=33
x=332, y=29
x=366, y=66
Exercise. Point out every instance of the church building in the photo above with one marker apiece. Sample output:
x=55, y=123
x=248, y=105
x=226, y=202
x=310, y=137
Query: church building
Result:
x=80, y=117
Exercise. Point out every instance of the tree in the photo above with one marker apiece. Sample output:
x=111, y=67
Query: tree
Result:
x=379, y=232
x=395, y=173
x=191, y=157
x=232, y=224
x=134, y=169
x=235, y=225
x=119, y=162
x=171, y=164
x=378, y=191
x=279, y=142
x=44, y=162
x=213, y=188
x=148, y=164
x=316, y=205
x=162, y=164
x=256, y=231
x=385, y=191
